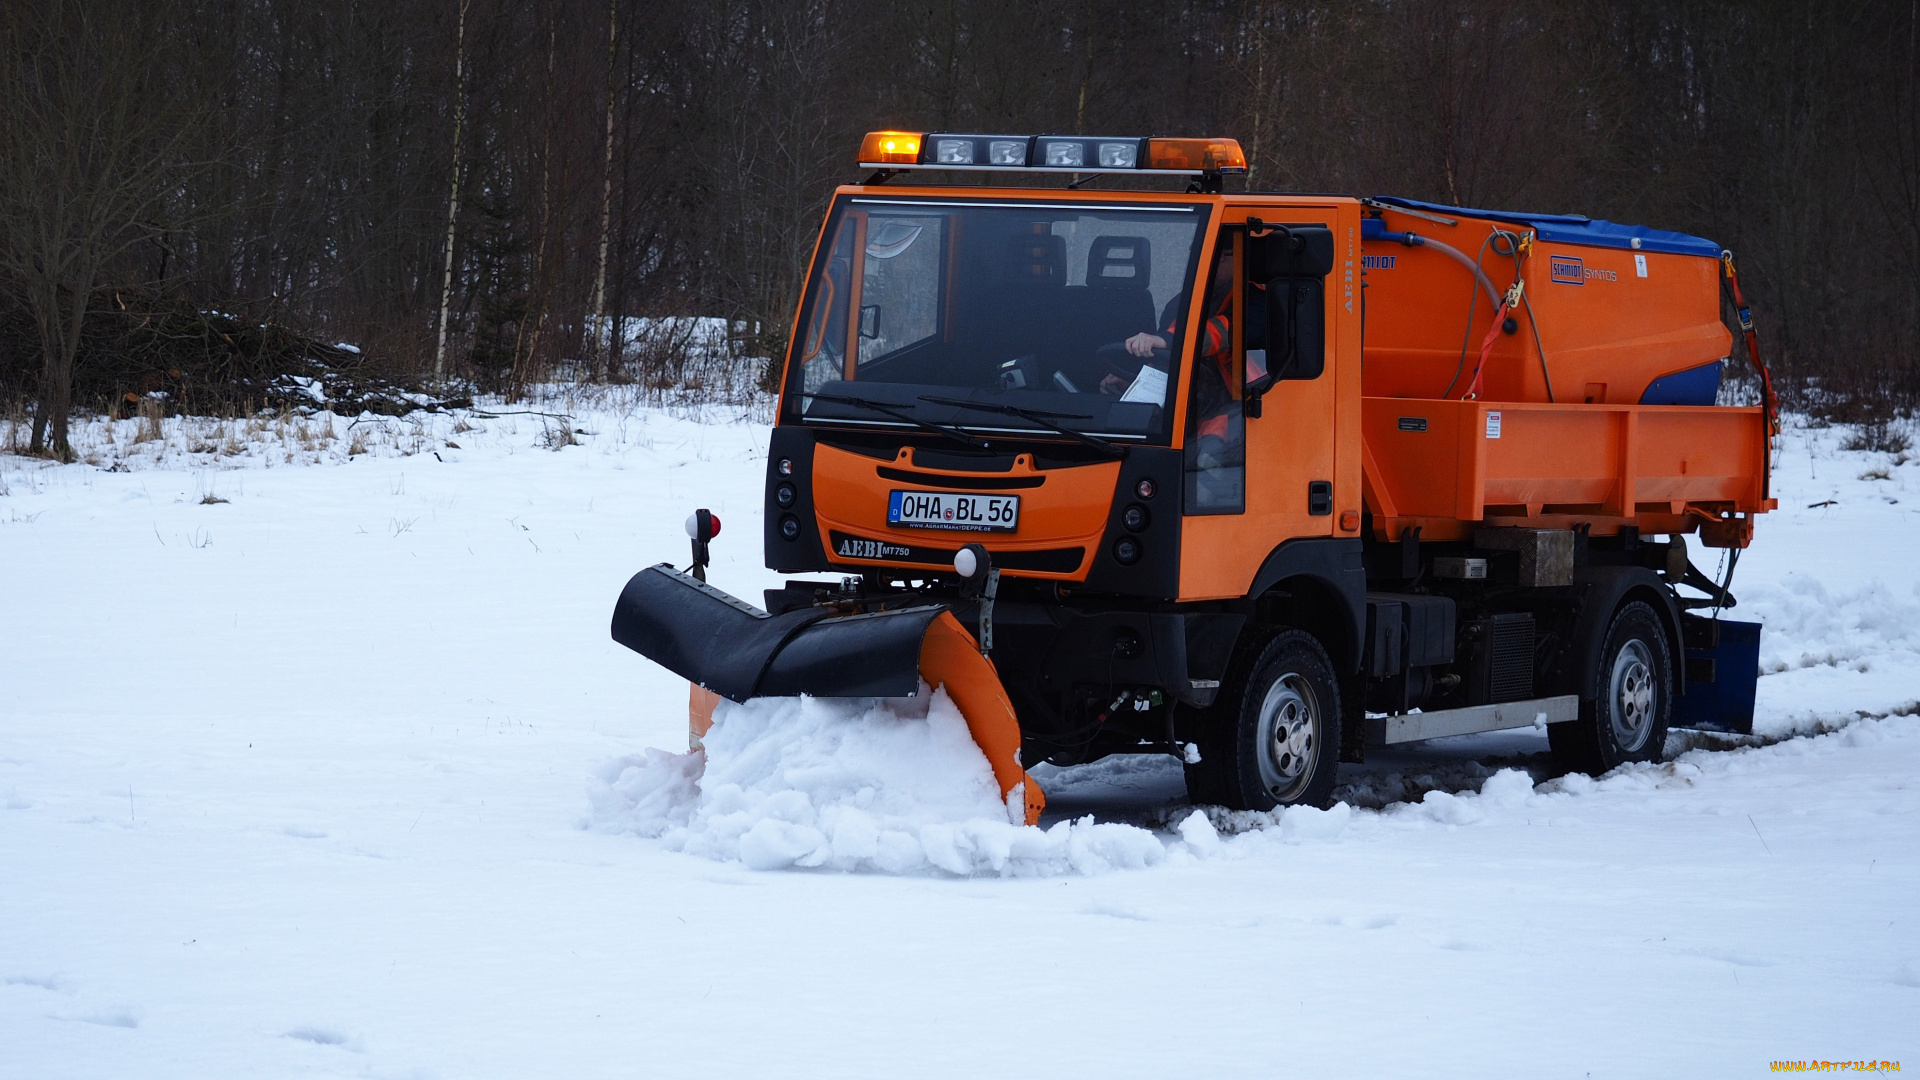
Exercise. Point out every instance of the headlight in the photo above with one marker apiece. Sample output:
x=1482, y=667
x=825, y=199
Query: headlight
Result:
x=1118, y=155
x=1126, y=551
x=1007, y=152
x=790, y=527
x=784, y=495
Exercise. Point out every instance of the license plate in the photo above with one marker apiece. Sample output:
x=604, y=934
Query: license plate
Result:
x=945, y=510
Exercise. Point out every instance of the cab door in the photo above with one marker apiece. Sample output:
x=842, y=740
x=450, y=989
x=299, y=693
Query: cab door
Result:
x=1262, y=465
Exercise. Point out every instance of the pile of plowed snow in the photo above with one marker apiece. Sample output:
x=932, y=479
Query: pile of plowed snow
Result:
x=895, y=785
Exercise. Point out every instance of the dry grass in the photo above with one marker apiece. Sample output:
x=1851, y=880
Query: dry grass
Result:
x=558, y=433
x=1884, y=437
x=549, y=418
x=152, y=418
x=18, y=434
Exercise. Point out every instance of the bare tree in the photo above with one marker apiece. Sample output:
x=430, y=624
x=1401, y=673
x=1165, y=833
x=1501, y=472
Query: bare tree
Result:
x=95, y=142
x=605, y=344
x=453, y=192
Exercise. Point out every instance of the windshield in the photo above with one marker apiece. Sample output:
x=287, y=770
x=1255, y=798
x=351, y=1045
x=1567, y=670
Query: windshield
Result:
x=995, y=317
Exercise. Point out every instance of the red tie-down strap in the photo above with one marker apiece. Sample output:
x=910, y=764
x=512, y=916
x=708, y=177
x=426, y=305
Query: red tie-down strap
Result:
x=1507, y=303
x=1753, y=344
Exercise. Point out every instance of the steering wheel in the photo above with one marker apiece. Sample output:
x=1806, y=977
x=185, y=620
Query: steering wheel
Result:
x=1116, y=361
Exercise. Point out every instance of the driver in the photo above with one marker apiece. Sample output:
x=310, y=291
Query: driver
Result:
x=1213, y=373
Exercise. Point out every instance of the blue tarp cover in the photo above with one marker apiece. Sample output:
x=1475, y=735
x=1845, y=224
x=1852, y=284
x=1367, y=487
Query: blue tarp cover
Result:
x=1571, y=229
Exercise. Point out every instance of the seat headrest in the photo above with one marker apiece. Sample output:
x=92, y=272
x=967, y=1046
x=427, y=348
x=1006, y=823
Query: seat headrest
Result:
x=1119, y=262
x=1037, y=258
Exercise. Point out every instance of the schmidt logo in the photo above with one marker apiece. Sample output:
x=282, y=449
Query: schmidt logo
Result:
x=1568, y=271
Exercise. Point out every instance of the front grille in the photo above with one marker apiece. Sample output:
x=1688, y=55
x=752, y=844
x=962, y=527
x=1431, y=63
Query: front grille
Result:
x=976, y=483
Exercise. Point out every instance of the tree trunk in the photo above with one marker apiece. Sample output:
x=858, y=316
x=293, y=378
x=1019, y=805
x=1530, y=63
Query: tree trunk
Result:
x=606, y=348
x=41, y=407
x=453, y=195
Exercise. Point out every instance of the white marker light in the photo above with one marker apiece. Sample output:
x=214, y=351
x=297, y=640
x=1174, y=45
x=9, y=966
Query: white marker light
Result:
x=693, y=524
x=965, y=563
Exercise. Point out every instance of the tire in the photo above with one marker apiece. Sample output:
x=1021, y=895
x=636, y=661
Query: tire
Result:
x=1628, y=700
x=1274, y=736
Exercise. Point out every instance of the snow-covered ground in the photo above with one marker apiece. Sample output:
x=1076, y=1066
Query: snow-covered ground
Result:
x=322, y=763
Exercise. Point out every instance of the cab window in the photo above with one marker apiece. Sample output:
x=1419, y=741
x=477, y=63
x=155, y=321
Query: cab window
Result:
x=1216, y=472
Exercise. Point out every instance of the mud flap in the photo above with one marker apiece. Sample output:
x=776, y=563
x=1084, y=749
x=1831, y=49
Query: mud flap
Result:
x=1722, y=669
x=729, y=648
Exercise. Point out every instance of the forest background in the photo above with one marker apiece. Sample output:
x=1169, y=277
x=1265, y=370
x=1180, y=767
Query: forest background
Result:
x=195, y=194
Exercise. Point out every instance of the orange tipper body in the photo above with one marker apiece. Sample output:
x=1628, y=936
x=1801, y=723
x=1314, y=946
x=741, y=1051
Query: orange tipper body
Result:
x=1260, y=480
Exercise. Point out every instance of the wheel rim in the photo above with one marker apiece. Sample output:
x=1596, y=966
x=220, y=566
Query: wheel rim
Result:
x=1631, y=694
x=1289, y=737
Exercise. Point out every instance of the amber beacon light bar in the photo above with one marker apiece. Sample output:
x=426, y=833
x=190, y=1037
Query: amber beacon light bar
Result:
x=1049, y=153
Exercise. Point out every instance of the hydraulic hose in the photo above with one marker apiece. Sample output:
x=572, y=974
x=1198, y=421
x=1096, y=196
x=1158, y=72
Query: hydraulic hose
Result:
x=1413, y=239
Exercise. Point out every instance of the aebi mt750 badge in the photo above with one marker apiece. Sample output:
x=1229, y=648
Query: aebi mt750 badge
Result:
x=944, y=510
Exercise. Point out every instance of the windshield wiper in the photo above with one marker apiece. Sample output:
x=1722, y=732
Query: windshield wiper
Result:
x=898, y=414
x=1036, y=416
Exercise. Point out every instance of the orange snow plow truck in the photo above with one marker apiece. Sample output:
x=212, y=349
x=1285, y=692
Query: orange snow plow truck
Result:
x=1257, y=480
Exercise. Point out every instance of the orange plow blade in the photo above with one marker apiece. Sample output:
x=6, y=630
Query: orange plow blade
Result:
x=700, y=705
x=950, y=658
x=729, y=649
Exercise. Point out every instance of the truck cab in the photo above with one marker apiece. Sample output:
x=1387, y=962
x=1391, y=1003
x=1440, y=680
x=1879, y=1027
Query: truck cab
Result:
x=1082, y=364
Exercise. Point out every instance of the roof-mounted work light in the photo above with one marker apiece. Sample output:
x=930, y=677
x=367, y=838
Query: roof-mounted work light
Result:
x=1088, y=155
x=891, y=150
x=956, y=151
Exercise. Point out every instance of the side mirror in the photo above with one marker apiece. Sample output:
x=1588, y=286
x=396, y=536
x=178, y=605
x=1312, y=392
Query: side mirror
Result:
x=1297, y=326
x=1286, y=333
x=1291, y=251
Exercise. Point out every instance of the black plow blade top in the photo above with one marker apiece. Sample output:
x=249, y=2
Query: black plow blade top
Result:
x=739, y=652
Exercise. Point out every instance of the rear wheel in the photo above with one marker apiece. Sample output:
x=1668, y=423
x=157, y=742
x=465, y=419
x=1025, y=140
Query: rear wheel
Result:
x=1625, y=708
x=1274, y=736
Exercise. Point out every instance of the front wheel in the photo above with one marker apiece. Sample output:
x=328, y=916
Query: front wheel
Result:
x=1628, y=702
x=1274, y=739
